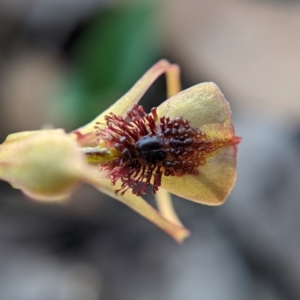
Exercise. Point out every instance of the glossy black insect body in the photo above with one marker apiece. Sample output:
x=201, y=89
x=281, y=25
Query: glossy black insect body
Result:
x=150, y=149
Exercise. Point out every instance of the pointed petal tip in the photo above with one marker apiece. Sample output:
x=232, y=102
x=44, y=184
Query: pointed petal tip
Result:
x=181, y=235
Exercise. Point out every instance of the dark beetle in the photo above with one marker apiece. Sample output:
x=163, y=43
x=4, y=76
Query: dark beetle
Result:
x=149, y=149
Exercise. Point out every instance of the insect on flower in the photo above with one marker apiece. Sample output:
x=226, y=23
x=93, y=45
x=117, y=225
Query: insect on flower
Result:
x=150, y=148
x=168, y=145
x=186, y=146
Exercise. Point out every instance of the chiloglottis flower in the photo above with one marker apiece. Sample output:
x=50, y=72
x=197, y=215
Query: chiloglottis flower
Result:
x=186, y=146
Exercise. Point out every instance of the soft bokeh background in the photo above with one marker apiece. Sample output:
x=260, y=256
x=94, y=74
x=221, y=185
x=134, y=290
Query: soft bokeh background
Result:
x=62, y=62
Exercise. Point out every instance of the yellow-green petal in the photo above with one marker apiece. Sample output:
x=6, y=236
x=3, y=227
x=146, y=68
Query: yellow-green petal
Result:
x=213, y=183
x=125, y=103
x=139, y=205
x=206, y=109
x=204, y=106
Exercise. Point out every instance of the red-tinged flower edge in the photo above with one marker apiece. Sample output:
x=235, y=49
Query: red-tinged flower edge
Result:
x=150, y=148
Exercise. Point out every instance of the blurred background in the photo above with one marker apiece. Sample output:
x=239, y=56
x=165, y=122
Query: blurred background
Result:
x=62, y=62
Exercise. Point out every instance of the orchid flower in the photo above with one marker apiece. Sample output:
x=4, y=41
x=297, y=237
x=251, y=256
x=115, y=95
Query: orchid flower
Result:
x=186, y=146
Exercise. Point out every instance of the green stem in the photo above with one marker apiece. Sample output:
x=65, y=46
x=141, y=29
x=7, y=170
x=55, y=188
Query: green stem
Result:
x=100, y=155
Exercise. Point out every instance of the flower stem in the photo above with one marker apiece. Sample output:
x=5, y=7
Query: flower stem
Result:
x=100, y=155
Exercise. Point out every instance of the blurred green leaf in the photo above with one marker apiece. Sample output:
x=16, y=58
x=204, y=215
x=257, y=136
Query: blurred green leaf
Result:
x=112, y=53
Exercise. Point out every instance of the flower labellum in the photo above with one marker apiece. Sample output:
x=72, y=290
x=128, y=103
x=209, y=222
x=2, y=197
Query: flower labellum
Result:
x=150, y=148
x=167, y=150
x=208, y=112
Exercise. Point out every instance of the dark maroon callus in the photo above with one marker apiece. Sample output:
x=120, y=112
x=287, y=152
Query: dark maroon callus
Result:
x=150, y=148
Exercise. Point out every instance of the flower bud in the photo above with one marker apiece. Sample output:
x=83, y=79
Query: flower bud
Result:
x=45, y=165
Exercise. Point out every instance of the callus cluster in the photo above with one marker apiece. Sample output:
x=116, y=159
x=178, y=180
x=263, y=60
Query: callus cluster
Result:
x=137, y=141
x=152, y=147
